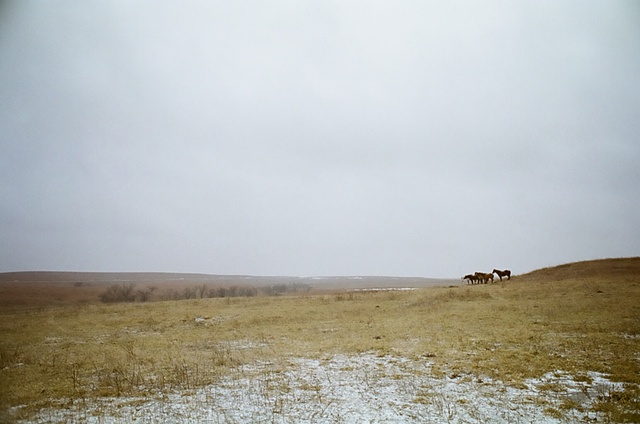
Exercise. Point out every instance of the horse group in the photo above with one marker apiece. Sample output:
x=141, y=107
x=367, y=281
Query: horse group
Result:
x=482, y=278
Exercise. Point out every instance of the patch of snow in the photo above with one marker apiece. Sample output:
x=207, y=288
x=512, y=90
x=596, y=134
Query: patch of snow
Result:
x=630, y=336
x=363, y=388
x=592, y=386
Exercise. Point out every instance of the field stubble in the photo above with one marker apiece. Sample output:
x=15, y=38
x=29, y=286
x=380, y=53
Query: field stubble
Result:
x=529, y=328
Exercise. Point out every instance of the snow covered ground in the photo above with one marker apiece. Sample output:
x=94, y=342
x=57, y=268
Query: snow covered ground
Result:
x=350, y=389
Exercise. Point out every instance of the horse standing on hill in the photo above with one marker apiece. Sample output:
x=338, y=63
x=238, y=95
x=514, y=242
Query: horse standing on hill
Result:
x=471, y=278
x=484, y=277
x=505, y=273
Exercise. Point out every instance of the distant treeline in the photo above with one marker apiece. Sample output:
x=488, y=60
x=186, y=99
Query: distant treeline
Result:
x=127, y=292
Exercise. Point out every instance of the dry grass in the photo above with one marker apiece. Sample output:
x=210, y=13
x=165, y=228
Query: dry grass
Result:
x=577, y=318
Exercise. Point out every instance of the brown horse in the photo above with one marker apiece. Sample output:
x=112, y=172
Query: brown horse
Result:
x=484, y=277
x=505, y=273
x=471, y=278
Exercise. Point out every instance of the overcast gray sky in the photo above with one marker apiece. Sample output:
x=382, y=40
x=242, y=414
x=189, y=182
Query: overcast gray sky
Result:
x=407, y=138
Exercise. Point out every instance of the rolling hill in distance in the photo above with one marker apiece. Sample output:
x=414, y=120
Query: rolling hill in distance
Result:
x=41, y=288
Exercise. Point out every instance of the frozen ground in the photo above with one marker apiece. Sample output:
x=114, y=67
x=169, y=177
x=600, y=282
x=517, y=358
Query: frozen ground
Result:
x=351, y=389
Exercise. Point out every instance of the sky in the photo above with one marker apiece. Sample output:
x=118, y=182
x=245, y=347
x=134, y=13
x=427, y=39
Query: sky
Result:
x=314, y=138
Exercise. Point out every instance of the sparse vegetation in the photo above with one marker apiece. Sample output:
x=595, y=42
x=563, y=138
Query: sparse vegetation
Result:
x=534, y=325
x=118, y=293
x=126, y=292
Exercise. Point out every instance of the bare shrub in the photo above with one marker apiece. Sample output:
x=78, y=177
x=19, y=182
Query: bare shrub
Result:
x=247, y=291
x=201, y=291
x=119, y=293
x=143, y=295
x=190, y=293
x=220, y=292
x=233, y=291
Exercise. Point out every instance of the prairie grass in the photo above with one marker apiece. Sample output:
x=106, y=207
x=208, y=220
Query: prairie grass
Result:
x=534, y=324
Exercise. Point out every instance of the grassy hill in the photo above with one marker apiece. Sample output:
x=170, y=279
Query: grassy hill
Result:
x=603, y=269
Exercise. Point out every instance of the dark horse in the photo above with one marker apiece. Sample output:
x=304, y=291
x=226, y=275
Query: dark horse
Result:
x=472, y=278
x=505, y=273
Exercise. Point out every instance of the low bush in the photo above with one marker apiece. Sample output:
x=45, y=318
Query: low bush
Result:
x=119, y=293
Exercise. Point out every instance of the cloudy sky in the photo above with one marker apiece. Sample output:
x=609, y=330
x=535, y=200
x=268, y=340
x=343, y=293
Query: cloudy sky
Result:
x=407, y=138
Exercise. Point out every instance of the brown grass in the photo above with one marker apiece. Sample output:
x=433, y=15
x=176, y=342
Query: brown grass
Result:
x=577, y=318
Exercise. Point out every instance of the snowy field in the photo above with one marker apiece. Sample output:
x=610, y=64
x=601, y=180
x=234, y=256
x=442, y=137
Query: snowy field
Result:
x=351, y=389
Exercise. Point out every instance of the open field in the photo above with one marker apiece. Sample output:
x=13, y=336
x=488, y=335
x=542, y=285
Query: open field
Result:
x=556, y=345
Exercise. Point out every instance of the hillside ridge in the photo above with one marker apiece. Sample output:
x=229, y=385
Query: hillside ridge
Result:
x=607, y=267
